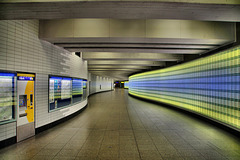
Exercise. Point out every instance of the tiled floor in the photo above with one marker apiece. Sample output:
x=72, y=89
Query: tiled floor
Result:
x=116, y=126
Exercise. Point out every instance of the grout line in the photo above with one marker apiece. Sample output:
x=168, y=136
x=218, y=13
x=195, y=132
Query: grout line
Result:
x=133, y=131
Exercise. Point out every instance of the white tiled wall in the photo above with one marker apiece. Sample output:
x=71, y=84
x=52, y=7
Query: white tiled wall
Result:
x=7, y=130
x=96, y=81
x=22, y=51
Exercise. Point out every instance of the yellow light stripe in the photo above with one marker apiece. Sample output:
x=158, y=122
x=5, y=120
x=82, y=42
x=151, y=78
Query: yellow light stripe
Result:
x=25, y=75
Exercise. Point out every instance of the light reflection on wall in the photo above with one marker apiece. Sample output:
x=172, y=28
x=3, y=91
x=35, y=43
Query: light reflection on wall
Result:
x=126, y=84
x=209, y=86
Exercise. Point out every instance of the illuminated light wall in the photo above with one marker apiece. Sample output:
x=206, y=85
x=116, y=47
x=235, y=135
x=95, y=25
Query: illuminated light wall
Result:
x=126, y=84
x=209, y=86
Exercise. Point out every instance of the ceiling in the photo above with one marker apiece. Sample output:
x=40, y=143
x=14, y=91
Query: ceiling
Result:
x=120, y=62
x=227, y=10
x=121, y=38
x=118, y=48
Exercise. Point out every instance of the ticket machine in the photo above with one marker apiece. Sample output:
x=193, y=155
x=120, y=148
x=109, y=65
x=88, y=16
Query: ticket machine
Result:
x=25, y=117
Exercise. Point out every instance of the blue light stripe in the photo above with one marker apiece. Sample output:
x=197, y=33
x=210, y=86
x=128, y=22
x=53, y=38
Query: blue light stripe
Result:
x=7, y=74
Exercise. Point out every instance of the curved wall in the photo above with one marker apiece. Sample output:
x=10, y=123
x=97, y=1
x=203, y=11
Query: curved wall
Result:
x=22, y=51
x=209, y=86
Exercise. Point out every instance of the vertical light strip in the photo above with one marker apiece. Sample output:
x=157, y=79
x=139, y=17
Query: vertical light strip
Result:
x=126, y=85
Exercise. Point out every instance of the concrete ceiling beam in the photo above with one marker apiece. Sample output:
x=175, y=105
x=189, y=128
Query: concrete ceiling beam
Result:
x=141, y=40
x=122, y=63
x=116, y=67
x=140, y=45
x=131, y=56
x=138, y=50
x=120, y=10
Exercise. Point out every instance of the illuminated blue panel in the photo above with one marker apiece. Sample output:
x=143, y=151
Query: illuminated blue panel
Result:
x=7, y=74
x=56, y=78
x=21, y=78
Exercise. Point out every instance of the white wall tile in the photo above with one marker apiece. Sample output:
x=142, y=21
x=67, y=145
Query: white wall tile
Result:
x=22, y=51
x=7, y=131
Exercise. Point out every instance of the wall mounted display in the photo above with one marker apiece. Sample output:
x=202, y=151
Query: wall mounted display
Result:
x=77, y=87
x=51, y=91
x=7, y=96
x=77, y=90
x=64, y=91
x=208, y=86
x=66, y=88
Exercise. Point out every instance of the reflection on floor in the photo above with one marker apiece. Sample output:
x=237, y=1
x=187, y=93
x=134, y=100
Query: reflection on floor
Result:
x=116, y=126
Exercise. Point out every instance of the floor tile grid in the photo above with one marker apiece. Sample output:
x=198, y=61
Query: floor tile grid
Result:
x=154, y=152
x=189, y=152
x=116, y=126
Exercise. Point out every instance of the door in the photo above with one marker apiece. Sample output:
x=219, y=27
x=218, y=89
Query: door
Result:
x=25, y=118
